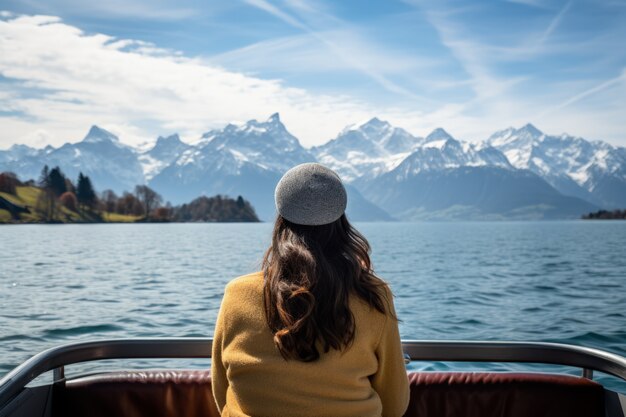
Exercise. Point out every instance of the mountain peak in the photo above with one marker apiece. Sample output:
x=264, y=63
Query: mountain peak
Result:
x=272, y=124
x=97, y=134
x=20, y=147
x=376, y=123
x=161, y=140
x=530, y=129
x=438, y=134
x=274, y=118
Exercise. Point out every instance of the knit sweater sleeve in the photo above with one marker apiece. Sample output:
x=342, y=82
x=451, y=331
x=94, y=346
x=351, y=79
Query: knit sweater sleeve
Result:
x=219, y=380
x=391, y=381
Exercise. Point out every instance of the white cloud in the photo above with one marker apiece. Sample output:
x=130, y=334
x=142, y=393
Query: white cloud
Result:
x=65, y=80
x=56, y=80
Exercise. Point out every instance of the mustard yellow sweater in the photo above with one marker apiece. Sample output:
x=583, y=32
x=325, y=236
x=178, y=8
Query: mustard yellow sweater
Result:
x=251, y=378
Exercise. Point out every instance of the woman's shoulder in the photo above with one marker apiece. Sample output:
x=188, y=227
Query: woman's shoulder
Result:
x=383, y=290
x=246, y=283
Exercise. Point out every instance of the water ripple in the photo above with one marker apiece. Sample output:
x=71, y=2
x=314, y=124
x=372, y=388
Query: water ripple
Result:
x=544, y=281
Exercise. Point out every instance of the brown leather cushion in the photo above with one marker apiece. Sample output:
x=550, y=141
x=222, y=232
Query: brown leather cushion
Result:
x=456, y=394
x=182, y=393
x=433, y=394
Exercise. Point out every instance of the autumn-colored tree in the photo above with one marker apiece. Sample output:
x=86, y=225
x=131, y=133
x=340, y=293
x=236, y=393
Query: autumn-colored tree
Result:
x=162, y=214
x=8, y=182
x=68, y=199
x=129, y=204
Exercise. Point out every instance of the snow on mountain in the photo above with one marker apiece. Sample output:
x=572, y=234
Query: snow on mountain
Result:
x=17, y=152
x=374, y=158
x=165, y=151
x=267, y=144
x=363, y=152
x=98, y=135
x=100, y=155
x=573, y=165
x=246, y=159
x=366, y=150
x=439, y=135
x=442, y=151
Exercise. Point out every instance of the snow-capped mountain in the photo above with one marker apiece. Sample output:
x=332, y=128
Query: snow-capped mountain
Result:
x=441, y=151
x=246, y=160
x=516, y=173
x=233, y=160
x=436, y=136
x=367, y=150
x=100, y=155
x=98, y=135
x=267, y=144
x=447, y=178
x=165, y=151
x=364, y=152
x=595, y=171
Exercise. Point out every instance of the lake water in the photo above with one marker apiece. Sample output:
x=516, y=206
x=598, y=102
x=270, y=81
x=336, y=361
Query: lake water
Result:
x=534, y=281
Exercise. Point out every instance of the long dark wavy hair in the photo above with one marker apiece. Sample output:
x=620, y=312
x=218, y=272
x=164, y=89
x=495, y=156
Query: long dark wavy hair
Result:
x=310, y=273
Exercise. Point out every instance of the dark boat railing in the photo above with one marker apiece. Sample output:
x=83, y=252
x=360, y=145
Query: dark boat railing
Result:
x=55, y=359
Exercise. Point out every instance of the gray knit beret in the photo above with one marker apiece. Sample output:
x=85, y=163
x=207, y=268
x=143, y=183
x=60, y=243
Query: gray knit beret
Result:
x=310, y=194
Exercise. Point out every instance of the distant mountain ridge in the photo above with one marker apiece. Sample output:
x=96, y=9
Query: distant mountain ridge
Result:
x=389, y=173
x=594, y=171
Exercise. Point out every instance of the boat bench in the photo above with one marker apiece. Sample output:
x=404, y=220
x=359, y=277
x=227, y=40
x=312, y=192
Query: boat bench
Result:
x=176, y=393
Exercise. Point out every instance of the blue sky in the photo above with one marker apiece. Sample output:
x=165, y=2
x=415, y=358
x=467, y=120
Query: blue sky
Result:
x=141, y=68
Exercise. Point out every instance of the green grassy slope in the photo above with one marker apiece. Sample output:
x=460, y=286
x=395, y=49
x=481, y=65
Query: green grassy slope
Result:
x=27, y=197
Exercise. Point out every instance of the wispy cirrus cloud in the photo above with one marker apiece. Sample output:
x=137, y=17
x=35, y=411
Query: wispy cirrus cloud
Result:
x=555, y=22
x=507, y=70
x=620, y=79
x=470, y=67
x=306, y=15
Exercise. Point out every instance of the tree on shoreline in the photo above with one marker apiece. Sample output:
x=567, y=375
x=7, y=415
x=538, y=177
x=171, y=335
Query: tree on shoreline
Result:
x=85, y=194
x=149, y=199
x=145, y=202
x=46, y=202
x=128, y=204
x=69, y=201
x=57, y=181
x=606, y=215
x=108, y=201
x=215, y=209
x=8, y=182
